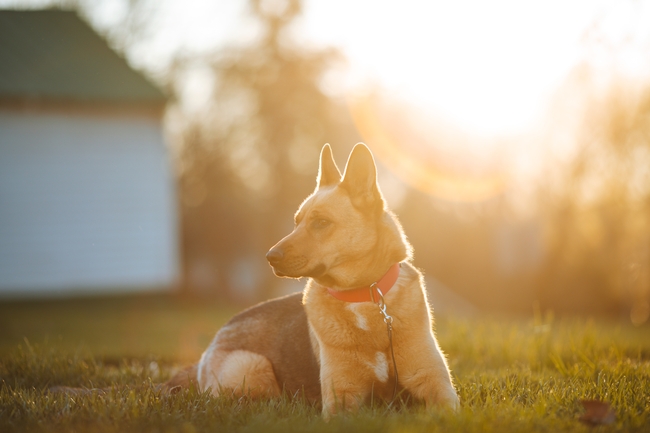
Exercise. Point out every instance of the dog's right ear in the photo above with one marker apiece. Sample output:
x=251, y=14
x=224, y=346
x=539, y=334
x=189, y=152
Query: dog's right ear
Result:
x=328, y=172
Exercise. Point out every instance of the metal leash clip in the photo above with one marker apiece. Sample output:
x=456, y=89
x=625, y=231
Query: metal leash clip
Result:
x=381, y=303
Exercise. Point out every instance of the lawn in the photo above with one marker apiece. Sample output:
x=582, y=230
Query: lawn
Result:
x=513, y=374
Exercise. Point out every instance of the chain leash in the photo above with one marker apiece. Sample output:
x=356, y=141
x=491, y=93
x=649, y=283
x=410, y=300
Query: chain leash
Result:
x=388, y=320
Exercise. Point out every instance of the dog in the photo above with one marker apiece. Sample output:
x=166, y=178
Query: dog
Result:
x=362, y=327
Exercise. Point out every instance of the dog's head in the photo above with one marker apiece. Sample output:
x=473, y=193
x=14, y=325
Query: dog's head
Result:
x=342, y=226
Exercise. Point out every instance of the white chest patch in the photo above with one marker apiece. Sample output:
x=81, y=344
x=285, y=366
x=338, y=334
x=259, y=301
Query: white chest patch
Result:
x=380, y=367
x=362, y=323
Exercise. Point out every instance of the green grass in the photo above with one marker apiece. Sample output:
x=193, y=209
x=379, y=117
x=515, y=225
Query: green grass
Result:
x=513, y=375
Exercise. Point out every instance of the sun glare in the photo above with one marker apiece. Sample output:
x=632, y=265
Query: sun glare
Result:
x=488, y=70
x=487, y=66
x=415, y=163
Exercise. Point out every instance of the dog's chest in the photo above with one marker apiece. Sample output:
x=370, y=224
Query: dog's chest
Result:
x=355, y=326
x=360, y=313
x=357, y=336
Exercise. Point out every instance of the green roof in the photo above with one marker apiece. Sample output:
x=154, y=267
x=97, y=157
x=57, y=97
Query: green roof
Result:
x=53, y=54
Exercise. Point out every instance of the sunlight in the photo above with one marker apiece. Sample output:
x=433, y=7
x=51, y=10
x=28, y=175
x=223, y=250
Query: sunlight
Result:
x=487, y=66
x=409, y=155
x=488, y=72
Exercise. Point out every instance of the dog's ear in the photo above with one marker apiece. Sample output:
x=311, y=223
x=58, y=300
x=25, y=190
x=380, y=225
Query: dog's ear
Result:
x=360, y=179
x=328, y=172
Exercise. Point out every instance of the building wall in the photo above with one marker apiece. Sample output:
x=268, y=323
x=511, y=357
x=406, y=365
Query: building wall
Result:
x=87, y=204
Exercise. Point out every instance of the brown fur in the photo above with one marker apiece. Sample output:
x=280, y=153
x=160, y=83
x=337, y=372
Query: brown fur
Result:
x=320, y=347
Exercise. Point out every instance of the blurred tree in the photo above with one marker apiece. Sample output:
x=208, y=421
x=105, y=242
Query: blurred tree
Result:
x=248, y=162
x=597, y=206
x=249, y=156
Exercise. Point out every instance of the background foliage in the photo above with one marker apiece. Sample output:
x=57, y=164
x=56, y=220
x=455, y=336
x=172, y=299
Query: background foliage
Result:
x=571, y=234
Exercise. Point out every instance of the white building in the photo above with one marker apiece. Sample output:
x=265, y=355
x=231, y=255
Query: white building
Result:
x=87, y=199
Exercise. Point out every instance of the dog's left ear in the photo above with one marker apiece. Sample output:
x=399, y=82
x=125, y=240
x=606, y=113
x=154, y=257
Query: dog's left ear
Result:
x=360, y=179
x=328, y=172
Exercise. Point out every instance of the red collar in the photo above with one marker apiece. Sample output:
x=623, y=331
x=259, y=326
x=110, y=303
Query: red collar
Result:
x=362, y=294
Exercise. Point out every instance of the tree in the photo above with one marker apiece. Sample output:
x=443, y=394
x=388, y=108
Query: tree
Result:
x=597, y=205
x=247, y=164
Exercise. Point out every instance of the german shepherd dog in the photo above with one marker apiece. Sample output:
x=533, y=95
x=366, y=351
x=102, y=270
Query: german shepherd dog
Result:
x=362, y=327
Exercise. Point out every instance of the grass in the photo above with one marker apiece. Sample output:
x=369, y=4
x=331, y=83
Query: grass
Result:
x=513, y=375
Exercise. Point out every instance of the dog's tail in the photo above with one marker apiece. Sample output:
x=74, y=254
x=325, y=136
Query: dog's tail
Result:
x=186, y=378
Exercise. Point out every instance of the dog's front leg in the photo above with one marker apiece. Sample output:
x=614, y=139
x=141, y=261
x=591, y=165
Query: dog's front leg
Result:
x=426, y=376
x=342, y=383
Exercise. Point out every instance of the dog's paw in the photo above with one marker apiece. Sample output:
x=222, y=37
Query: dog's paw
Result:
x=449, y=400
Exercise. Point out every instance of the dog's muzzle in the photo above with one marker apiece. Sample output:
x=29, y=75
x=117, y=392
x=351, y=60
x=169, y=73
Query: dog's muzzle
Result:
x=287, y=265
x=275, y=256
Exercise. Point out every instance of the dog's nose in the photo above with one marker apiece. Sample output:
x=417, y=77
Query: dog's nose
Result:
x=274, y=255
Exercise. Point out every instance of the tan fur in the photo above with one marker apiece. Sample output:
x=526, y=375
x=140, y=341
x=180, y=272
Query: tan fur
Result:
x=348, y=353
x=327, y=349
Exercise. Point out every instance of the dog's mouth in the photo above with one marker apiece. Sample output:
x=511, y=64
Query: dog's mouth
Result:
x=279, y=273
x=284, y=271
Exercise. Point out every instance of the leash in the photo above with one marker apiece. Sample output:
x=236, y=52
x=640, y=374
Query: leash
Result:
x=388, y=320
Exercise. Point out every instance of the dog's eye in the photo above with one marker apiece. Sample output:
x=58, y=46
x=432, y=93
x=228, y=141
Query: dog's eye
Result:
x=320, y=223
